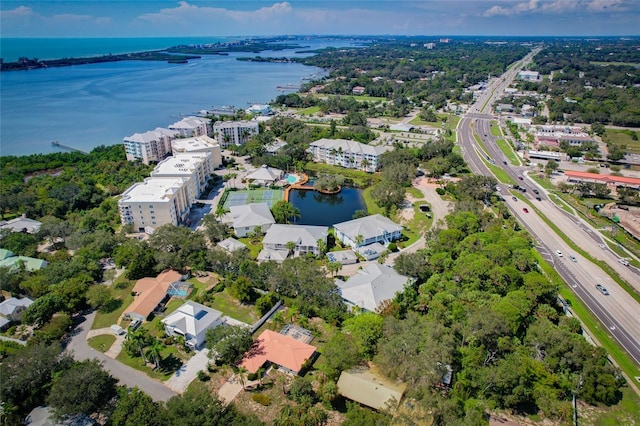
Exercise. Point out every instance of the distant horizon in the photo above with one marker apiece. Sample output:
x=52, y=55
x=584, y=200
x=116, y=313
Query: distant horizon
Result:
x=195, y=18
x=592, y=36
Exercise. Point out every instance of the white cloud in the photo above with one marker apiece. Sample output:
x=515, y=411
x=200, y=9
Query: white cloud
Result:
x=556, y=7
x=14, y=21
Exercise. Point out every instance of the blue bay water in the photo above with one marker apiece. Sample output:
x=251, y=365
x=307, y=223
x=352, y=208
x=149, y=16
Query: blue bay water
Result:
x=99, y=104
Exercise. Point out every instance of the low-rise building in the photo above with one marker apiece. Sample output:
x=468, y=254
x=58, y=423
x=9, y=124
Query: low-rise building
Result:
x=370, y=389
x=149, y=147
x=358, y=90
x=245, y=218
x=11, y=310
x=231, y=245
x=527, y=75
x=189, y=127
x=555, y=135
x=347, y=154
x=150, y=293
x=235, y=132
x=21, y=224
x=371, y=286
x=367, y=230
x=199, y=144
x=192, y=320
x=286, y=352
x=155, y=202
x=265, y=175
x=305, y=238
x=196, y=167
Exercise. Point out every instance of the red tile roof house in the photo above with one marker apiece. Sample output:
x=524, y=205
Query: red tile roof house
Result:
x=149, y=293
x=611, y=181
x=287, y=353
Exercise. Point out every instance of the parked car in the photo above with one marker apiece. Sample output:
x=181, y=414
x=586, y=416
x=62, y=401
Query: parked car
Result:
x=602, y=290
x=573, y=258
x=135, y=324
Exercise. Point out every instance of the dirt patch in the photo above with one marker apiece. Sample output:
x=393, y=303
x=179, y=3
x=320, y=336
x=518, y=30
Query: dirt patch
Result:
x=629, y=217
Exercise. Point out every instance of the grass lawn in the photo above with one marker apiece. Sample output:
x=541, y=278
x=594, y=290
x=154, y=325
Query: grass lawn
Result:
x=499, y=173
x=451, y=121
x=229, y=306
x=415, y=192
x=623, y=413
x=121, y=290
x=495, y=130
x=543, y=182
x=359, y=98
x=254, y=249
x=623, y=137
x=171, y=361
x=480, y=143
x=372, y=207
x=506, y=148
x=309, y=111
x=361, y=178
x=102, y=342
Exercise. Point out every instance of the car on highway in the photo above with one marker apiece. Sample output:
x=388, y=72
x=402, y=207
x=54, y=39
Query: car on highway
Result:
x=624, y=262
x=573, y=258
x=535, y=191
x=526, y=210
x=602, y=246
x=558, y=253
x=602, y=289
x=514, y=198
x=538, y=198
x=504, y=162
x=520, y=177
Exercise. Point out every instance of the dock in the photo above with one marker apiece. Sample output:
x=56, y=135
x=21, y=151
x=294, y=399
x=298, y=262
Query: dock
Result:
x=57, y=144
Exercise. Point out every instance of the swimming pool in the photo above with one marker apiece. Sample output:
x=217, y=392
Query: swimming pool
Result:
x=292, y=179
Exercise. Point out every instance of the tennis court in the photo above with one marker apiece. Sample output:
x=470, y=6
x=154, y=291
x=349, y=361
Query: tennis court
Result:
x=239, y=198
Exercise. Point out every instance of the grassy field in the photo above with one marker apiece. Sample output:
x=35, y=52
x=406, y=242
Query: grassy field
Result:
x=309, y=111
x=121, y=291
x=361, y=178
x=254, y=249
x=495, y=130
x=506, y=148
x=415, y=192
x=623, y=137
x=229, y=306
x=171, y=361
x=499, y=173
x=359, y=98
x=372, y=207
x=102, y=342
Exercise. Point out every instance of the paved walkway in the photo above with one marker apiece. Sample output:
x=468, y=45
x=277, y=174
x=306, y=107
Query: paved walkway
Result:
x=231, y=388
x=189, y=371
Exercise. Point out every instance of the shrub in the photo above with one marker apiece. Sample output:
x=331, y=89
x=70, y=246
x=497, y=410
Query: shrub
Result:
x=203, y=376
x=261, y=399
x=393, y=247
x=252, y=376
x=440, y=191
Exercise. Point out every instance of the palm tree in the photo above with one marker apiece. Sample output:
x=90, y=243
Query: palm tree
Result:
x=137, y=339
x=334, y=267
x=365, y=164
x=242, y=376
x=277, y=321
x=220, y=211
x=154, y=351
x=291, y=246
x=359, y=240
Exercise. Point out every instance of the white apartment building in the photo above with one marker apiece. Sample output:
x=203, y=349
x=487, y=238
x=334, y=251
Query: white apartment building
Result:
x=149, y=147
x=199, y=144
x=191, y=126
x=348, y=154
x=197, y=167
x=155, y=202
x=234, y=132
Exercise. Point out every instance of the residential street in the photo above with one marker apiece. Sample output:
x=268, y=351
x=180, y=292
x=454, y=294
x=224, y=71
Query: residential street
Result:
x=127, y=375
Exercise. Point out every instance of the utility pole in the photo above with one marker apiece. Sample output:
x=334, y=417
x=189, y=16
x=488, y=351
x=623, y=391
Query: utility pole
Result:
x=575, y=402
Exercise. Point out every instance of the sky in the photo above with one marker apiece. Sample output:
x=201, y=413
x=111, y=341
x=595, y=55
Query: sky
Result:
x=149, y=18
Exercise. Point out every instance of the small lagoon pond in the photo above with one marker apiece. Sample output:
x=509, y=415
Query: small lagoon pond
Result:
x=326, y=209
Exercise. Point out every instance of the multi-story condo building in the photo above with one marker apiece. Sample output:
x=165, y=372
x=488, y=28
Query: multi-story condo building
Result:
x=199, y=144
x=348, y=154
x=197, y=167
x=234, y=132
x=191, y=126
x=149, y=147
x=155, y=202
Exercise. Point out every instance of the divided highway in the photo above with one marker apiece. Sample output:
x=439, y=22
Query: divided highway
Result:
x=618, y=311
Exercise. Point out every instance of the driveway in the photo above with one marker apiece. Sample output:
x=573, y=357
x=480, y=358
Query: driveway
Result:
x=128, y=376
x=189, y=371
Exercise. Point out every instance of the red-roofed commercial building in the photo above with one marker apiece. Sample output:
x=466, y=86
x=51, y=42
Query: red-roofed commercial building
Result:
x=610, y=180
x=278, y=349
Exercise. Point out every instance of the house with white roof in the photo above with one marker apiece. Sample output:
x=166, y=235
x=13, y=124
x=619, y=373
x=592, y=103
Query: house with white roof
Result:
x=21, y=224
x=231, y=245
x=372, y=286
x=199, y=144
x=367, y=230
x=527, y=75
x=348, y=154
x=155, y=202
x=197, y=167
x=265, y=175
x=11, y=310
x=191, y=126
x=305, y=238
x=235, y=132
x=149, y=147
x=246, y=217
x=192, y=320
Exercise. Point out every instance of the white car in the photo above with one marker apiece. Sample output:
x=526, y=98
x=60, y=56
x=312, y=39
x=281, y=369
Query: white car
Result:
x=602, y=246
x=624, y=262
x=558, y=253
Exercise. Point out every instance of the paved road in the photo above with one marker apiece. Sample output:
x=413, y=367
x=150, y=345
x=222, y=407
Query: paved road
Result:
x=619, y=312
x=127, y=375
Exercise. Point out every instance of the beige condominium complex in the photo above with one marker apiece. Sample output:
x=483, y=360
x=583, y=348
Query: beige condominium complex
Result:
x=234, y=132
x=347, y=154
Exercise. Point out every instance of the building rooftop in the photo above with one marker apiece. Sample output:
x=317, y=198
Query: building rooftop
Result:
x=20, y=224
x=302, y=235
x=368, y=226
x=194, y=144
x=350, y=146
x=153, y=189
x=151, y=135
x=231, y=244
x=372, y=285
x=265, y=173
x=183, y=163
x=250, y=215
x=278, y=349
x=192, y=318
x=370, y=389
x=150, y=292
